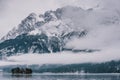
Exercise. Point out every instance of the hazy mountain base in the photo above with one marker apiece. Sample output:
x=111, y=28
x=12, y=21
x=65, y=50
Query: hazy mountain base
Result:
x=106, y=67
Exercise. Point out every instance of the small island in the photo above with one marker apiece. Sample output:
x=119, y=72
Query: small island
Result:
x=18, y=70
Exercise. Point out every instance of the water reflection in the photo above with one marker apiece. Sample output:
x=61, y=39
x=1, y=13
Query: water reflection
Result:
x=59, y=77
x=19, y=76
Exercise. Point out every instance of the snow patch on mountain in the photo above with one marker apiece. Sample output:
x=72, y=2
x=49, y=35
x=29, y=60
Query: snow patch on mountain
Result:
x=35, y=32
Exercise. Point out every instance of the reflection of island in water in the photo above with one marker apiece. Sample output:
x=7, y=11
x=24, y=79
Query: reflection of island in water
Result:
x=21, y=75
x=18, y=70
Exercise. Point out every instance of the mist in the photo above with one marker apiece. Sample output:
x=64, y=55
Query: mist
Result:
x=62, y=58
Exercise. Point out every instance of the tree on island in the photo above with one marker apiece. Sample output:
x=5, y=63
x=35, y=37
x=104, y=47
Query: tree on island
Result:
x=18, y=70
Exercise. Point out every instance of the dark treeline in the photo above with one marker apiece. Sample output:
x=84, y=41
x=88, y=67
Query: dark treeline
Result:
x=107, y=67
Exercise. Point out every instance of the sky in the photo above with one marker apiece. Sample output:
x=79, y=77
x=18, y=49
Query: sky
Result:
x=13, y=11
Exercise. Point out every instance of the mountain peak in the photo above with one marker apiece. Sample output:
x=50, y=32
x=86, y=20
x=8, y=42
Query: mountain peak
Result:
x=25, y=26
x=33, y=21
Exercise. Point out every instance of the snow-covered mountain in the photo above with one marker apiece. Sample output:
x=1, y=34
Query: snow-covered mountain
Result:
x=43, y=33
x=51, y=22
x=68, y=28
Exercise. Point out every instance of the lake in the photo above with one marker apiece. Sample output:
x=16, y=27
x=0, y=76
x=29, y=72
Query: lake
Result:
x=61, y=77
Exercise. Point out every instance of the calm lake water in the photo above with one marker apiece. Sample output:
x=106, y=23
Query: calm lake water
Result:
x=61, y=77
